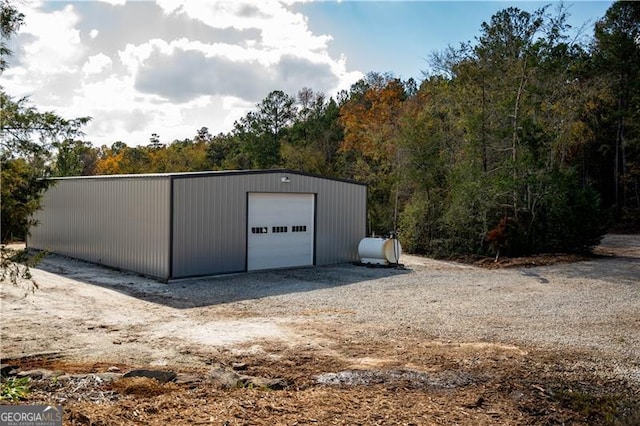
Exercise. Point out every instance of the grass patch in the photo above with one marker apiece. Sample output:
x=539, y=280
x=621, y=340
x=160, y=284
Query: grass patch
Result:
x=610, y=410
x=14, y=389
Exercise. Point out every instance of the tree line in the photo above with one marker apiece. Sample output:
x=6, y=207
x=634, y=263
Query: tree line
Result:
x=525, y=140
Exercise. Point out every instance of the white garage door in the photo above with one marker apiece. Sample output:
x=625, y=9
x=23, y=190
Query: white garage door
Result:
x=280, y=230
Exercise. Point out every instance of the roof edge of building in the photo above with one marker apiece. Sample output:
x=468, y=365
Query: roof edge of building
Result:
x=209, y=173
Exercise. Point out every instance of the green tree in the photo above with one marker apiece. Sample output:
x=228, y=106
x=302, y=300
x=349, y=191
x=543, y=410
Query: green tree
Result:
x=616, y=54
x=10, y=21
x=203, y=135
x=154, y=142
x=222, y=150
x=136, y=160
x=27, y=137
x=21, y=185
x=74, y=158
x=260, y=132
x=313, y=140
x=27, y=131
x=498, y=134
x=369, y=148
x=25, y=142
x=185, y=155
x=429, y=135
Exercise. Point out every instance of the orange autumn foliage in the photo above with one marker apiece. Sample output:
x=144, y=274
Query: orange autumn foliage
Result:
x=369, y=121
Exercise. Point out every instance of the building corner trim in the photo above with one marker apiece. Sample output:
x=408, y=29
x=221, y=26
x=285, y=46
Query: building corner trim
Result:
x=171, y=226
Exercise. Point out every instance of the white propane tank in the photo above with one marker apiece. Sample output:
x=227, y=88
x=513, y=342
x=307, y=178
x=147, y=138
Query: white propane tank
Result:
x=379, y=251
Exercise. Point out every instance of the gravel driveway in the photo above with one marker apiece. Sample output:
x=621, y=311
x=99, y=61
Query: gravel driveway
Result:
x=590, y=307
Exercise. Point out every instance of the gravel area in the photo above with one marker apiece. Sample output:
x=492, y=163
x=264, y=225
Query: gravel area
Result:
x=590, y=307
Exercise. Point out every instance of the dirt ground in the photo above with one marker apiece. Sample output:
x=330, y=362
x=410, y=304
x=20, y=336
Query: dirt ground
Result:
x=413, y=354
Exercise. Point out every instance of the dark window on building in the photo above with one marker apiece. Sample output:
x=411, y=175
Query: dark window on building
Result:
x=279, y=229
x=299, y=228
x=260, y=230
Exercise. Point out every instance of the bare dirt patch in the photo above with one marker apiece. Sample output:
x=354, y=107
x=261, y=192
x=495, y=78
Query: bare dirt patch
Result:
x=613, y=245
x=414, y=383
x=524, y=261
x=434, y=343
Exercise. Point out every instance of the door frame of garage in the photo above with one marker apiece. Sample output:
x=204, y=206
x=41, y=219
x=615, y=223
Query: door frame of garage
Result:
x=246, y=225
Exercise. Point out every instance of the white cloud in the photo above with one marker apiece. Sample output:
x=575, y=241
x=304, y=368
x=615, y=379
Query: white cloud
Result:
x=280, y=28
x=136, y=80
x=287, y=30
x=97, y=64
x=183, y=69
x=55, y=48
x=133, y=56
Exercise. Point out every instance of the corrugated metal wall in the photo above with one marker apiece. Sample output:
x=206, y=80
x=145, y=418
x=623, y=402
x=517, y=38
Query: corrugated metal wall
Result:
x=125, y=222
x=119, y=222
x=209, y=222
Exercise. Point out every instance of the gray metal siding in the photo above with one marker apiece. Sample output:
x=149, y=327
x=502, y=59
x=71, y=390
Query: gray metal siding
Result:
x=341, y=221
x=208, y=226
x=209, y=222
x=119, y=222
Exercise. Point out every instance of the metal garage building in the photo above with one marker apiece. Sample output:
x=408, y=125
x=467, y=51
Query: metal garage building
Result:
x=180, y=225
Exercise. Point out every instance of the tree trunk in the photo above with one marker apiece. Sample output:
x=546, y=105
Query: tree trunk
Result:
x=514, y=137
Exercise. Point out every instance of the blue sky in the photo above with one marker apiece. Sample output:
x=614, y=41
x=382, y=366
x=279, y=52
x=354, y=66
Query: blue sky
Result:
x=173, y=66
x=397, y=36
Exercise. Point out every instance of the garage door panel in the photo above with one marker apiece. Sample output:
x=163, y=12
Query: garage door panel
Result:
x=280, y=230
